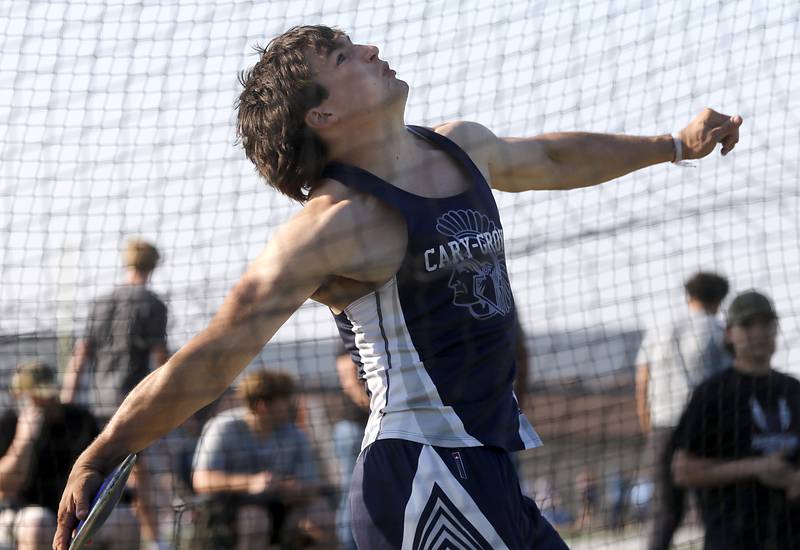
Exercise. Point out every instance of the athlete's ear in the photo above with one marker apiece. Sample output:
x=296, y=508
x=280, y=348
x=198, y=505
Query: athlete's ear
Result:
x=320, y=119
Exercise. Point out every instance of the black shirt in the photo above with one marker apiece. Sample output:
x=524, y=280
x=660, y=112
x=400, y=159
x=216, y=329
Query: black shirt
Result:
x=121, y=331
x=55, y=450
x=733, y=416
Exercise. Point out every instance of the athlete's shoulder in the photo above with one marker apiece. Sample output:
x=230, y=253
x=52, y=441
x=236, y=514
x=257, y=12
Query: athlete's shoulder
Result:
x=322, y=228
x=464, y=129
x=478, y=141
x=357, y=233
x=333, y=204
x=468, y=135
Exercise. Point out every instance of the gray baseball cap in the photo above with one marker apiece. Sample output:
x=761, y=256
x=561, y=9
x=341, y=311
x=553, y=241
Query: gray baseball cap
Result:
x=750, y=304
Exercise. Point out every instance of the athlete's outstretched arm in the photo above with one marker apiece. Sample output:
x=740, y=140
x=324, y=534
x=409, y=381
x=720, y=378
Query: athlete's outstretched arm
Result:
x=293, y=265
x=568, y=160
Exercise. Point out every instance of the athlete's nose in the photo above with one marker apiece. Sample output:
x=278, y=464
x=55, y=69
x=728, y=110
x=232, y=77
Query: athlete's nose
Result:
x=372, y=52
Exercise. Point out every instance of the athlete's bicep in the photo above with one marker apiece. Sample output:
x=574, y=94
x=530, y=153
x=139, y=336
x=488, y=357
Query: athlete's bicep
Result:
x=523, y=164
x=509, y=164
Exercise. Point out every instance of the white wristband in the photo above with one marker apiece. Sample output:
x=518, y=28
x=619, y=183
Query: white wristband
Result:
x=677, y=146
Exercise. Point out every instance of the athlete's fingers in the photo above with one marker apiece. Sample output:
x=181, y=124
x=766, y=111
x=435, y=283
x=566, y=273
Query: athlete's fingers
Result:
x=727, y=133
x=75, y=504
x=83, y=495
x=728, y=143
x=66, y=523
x=708, y=129
x=729, y=127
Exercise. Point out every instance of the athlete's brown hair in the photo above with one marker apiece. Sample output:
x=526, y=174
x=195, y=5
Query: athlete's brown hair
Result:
x=278, y=92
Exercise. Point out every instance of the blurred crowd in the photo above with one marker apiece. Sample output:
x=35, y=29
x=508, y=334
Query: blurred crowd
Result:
x=268, y=464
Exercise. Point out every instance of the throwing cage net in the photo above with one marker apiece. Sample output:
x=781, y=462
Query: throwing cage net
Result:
x=118, y=121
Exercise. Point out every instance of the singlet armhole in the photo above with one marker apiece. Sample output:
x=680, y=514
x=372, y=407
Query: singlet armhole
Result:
x=458, y=154
x=363, y=298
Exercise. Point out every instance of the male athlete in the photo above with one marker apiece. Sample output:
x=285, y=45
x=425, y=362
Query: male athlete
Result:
x=400, y=238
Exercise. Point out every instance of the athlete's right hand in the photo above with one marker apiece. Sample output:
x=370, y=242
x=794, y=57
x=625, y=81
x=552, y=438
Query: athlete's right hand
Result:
x=83, y=482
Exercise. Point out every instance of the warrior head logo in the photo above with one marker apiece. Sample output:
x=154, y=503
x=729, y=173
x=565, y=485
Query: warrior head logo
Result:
x=479, y=282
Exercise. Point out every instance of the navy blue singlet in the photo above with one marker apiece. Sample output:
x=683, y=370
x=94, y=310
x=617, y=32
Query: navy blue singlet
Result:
x=436, y=343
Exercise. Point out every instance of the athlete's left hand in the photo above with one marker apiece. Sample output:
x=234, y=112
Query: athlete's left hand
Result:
x=702, y=134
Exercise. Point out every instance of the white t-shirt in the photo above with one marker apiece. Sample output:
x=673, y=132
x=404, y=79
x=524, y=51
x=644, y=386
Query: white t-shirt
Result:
x=680, y=356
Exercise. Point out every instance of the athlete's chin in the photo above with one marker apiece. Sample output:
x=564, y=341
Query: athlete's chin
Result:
x=397, y=98
x=398, y=86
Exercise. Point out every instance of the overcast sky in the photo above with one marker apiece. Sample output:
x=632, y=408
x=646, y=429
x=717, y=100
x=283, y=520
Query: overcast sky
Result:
x=116, y=119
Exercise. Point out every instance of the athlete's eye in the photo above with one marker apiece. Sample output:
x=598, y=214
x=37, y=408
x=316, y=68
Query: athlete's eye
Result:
x=340, y=59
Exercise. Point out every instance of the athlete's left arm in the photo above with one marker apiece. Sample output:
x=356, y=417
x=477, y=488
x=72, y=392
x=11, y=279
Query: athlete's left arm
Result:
x=568, y=160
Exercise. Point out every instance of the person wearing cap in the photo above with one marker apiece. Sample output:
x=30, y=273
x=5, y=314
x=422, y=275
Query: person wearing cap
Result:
x=37, y=448
x=671, y=362
x=738, y=440
x=125, y=338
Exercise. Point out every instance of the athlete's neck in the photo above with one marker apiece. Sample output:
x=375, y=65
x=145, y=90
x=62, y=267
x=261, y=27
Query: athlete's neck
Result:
x=385, y=150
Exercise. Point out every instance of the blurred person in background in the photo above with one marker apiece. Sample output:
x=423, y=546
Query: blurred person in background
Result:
x=125, y=338
x=37, y=448
x=587, y=487
x=262, y=466
x=738, y=441
x=669, y=365
x=126, y=335
x=549, y=501
x=347, y=435
x=617, y=492
x=521, y=377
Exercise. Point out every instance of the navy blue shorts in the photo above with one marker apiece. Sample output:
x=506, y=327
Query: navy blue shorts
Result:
x=410, y=496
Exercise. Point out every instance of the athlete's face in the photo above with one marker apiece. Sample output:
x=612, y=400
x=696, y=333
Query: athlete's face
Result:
x=358, y=83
